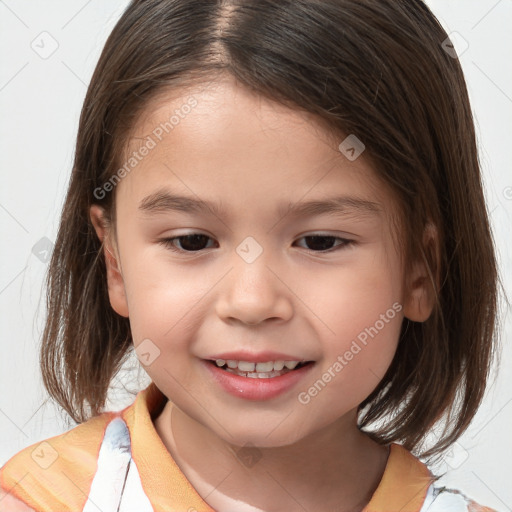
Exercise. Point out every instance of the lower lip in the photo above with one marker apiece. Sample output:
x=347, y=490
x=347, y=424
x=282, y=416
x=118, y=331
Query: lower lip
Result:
x=257, y=389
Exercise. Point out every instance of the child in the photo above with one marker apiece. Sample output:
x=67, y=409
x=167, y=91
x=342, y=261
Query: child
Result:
x=343, y=303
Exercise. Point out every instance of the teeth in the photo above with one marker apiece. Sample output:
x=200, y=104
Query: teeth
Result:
x=262, y=367
x=278, y=365
x=257, y=368
x=255, y=375
x=245, y=366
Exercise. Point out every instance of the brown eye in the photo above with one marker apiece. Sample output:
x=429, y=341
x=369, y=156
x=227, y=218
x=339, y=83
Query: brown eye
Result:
x=325, y=243
x=188, y=243
x=196, y=242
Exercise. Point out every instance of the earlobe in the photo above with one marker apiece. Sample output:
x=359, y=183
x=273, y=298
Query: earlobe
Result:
x=115, y=281
x=422, y=284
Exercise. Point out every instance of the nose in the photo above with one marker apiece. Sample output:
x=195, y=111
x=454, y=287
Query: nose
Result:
x=254, y=292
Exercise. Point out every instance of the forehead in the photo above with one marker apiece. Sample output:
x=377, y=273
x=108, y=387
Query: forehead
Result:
x=222, y=142
x=229, y=104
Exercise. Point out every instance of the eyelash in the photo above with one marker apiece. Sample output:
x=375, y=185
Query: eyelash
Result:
x=169, y=243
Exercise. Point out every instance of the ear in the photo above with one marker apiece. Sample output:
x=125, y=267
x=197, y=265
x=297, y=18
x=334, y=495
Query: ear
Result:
x=420, y=292
x=115, y=282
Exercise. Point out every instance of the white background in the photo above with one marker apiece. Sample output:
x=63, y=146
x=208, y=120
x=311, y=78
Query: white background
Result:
x=40, y=102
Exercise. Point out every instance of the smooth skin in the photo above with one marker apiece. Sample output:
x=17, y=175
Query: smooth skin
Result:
x=252, y=156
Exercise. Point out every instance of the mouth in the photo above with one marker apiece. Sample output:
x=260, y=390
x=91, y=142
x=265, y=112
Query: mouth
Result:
x=260, y=370
x=266, y=377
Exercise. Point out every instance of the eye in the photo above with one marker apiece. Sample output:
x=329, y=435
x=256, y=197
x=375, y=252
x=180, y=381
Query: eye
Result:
x=195, y=242
x=323, y=243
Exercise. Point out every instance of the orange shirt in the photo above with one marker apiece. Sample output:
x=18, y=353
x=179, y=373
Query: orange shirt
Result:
x=128, y=468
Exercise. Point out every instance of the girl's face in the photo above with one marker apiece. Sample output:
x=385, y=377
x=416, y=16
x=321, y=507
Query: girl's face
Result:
x=292, y=260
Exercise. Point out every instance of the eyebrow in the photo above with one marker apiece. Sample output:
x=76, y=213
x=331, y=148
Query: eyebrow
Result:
x=162, y=201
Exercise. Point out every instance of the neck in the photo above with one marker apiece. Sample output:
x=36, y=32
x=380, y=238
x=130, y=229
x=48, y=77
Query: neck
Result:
x=339, y=464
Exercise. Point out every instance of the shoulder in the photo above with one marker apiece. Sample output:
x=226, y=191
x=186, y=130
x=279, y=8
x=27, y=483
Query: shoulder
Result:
x=409, y=484
x=441, y=499
x=56, y=473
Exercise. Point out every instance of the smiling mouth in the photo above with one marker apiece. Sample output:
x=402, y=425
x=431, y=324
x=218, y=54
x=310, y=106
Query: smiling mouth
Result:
x=266, y=370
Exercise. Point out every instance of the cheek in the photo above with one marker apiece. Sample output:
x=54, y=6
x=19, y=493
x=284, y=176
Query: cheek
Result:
x=165, y=308
x=167, y=305
x=361, y=315
x=352, y=367
x=353, y=296
x=162, y=296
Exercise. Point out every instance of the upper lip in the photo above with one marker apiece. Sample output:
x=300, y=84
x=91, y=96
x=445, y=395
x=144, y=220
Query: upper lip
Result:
x=260, y=357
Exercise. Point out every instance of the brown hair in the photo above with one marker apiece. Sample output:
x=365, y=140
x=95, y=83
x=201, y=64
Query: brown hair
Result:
x=374, y=68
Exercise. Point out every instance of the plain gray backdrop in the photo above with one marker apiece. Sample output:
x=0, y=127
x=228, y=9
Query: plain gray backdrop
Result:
x=48, y=51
